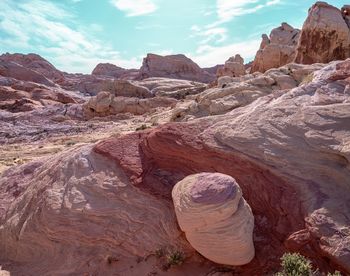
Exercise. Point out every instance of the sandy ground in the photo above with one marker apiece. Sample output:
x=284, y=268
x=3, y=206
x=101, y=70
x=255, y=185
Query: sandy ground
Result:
x=20, y=153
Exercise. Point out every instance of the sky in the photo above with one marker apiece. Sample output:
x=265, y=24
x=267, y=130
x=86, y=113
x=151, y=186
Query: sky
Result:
x=76, y=35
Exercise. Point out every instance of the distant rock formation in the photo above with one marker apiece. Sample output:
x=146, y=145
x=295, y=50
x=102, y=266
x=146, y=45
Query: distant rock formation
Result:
x=127, y=88
x=234, y=67
x=173, y=66
x=36, y=63
x=276, y=50
x=111, y=70
x=216, y=219
x=325, y=35
x=106, y=104
x=212, y=70
x=17, y=71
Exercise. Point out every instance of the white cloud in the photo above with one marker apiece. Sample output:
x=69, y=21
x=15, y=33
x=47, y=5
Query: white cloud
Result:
x=207, y=56
x=214, y=35
x=36, y=26
x=273, y=2
x=135, y=7
x=228, y=9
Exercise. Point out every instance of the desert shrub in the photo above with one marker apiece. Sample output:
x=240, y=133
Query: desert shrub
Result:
x=142, y=127
x=175, y=258
x=336, y=273
x=159, y=252
x=294, y=264
x=309, y=78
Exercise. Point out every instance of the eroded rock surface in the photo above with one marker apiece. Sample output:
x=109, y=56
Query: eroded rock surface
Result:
x=173, y=66
x=293, y=148
x=234, y=67
x=233, y=93
x=111, y=70
x=216, y=219
x=276, y=50
x=325, y=35
x=105, y=104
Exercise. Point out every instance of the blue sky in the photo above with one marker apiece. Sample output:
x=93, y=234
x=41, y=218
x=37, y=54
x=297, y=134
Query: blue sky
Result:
x=75, y=35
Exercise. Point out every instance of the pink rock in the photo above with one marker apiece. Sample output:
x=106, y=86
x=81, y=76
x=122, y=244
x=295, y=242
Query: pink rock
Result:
x=325, y=35
x=173, y=66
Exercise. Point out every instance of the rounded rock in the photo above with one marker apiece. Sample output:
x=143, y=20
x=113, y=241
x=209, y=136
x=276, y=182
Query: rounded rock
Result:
x=216, y=219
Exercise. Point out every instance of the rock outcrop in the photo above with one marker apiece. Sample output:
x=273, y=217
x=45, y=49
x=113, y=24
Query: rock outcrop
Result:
x=288, y=150
x=105, y=104
x=232, y=92
x=78, y=213
x=35, y=63
x=234, y=67
x=173, y=66
x=127, y=88
x=291, y=147
x=276, y=50
x=111, y=70
x=325, y=35
x=14, y=70
x=216, y=219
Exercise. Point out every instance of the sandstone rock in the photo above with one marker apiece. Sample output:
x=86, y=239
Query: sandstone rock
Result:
x=69, y=214
x=345, y=10
x=289, y=150
x=236, y=92
x=172, y=88
x=14, y=70
x=105, y=104
x=216, y=219
x=173, y=66
x=234, y=67
x=214, y=69
x=36, y=63
x=291, y=147
x=277, y=50
x=111, y=70
x=127, y=88
x=325, y=36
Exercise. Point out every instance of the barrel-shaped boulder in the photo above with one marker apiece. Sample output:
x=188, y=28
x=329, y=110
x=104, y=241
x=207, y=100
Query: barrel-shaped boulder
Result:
x=216, y=219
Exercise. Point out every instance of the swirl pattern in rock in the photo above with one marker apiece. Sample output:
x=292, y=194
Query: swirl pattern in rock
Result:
x=216, y=219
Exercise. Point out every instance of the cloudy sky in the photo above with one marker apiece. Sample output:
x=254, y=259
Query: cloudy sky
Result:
x=75, y=35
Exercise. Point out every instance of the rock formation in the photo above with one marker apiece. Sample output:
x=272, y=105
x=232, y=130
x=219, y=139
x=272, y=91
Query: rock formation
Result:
x=14, y=70
x=127, y=88
x=77, y=212
x=111, y=70
x=234, y=67
x=216, y=219
x=345, y=10
x=105, y=104
x=288, y=146
x=173, y=66
x=325, y=35
x=276, y=50
x=232, y=92
x=35, y=63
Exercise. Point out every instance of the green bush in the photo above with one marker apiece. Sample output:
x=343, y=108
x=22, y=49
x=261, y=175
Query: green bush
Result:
x=294, y=264
x=175, y=258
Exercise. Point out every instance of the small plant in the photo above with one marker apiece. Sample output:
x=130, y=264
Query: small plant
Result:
x=336, y=273
x=294, y=264
x=175, y=258
x=70, y=143
x=309, y=78
x=142, y=127
x=159, y=253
